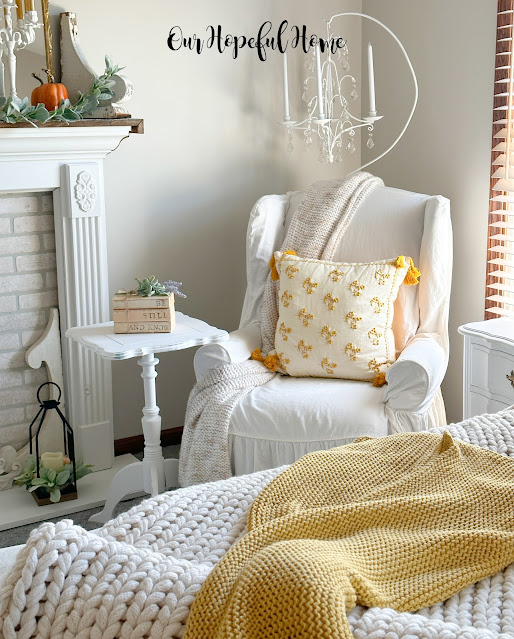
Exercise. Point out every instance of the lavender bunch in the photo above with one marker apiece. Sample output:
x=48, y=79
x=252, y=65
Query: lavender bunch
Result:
x=173, y=287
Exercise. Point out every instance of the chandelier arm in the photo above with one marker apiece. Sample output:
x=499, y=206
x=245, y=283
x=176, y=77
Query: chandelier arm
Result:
x=354, y=117
x=411, y=68
x=363, y=123
x=299, y=125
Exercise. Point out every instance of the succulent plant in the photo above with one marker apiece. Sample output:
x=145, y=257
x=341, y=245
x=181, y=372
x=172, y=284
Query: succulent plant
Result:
x=149, y=286
x=173, y=287
x=50, y=481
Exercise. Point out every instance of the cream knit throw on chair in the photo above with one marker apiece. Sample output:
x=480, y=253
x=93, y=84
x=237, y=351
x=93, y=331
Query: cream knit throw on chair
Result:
x=315, y=232
x=139, y=576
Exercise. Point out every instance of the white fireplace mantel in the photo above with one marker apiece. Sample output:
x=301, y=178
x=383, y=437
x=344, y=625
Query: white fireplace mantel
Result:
x=32, y=159
x=68, y=160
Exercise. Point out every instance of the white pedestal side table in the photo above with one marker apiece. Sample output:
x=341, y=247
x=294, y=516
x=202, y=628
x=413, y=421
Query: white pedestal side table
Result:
x=154, y=474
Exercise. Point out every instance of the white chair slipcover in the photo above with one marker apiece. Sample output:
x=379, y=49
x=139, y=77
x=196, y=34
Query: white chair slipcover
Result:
x=286, y=418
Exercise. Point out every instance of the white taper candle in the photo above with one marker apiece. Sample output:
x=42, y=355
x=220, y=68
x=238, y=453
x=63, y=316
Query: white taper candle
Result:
x=287, y=115
x=319, y=77
x=371, y=79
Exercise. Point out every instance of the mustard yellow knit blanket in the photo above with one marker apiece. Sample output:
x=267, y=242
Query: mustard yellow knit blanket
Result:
x=403, y=522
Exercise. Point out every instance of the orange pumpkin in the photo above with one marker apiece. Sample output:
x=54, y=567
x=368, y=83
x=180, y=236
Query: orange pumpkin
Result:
x=49, y=94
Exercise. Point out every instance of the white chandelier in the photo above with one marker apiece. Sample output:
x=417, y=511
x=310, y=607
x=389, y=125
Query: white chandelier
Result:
x=329, y=114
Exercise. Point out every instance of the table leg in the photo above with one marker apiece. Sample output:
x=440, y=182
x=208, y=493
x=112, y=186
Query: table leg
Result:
x=150, y=474
x=153, y=460
x=127, y=481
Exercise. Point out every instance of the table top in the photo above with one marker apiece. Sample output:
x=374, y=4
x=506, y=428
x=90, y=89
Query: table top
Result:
x=501, y=329
x=188, y=332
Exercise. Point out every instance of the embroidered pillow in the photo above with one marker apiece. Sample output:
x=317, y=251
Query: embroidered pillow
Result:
x=335, y=319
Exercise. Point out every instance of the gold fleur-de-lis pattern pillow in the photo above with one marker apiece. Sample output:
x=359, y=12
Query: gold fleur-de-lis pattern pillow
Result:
x=335, y=319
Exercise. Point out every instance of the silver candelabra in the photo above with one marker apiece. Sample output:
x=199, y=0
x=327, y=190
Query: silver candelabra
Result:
x=14, y=36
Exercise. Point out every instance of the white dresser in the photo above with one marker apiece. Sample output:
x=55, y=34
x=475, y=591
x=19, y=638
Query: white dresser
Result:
x=488, y=366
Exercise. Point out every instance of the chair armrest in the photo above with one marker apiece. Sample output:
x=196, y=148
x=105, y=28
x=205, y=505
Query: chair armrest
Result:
x=415, y=377
x=234, y=351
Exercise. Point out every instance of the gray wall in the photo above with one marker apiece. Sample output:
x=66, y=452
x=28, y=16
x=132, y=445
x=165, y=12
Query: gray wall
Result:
x=447, y=148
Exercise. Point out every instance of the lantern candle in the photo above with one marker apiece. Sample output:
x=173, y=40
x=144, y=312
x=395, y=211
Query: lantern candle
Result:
x=53, y=461
x=287, y=115
x=19, y=8
x=319, y=77
x=371, y=80
x=29, y=5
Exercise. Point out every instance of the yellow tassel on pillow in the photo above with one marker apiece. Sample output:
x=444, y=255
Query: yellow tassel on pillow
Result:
x=412, y=276
x=257, y=355
x=273, y=266
x=270, y=361
x=380, y=379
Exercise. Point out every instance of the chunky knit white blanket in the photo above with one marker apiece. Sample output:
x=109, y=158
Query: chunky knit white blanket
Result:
x=315, y=231
x=139, y=575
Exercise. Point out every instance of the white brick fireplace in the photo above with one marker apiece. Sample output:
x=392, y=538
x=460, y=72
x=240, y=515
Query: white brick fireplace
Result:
x=28, y=289
x=52, y=221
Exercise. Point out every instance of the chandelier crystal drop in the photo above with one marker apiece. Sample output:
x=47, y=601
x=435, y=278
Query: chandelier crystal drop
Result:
x=290, y=146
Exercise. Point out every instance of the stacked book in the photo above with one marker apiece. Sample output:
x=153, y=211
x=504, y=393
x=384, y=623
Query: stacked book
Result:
x=136, y=314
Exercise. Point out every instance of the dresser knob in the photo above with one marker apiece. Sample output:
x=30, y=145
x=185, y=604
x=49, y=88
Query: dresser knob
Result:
x=511, y=378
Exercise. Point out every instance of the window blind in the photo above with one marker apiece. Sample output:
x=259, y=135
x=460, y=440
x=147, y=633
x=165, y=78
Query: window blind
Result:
x=500, y=245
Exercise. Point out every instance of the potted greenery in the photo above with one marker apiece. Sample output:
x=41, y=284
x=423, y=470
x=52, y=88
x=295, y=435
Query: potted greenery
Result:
x=56, y=481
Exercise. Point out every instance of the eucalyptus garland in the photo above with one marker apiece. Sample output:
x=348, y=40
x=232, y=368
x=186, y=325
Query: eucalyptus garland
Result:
x=23, y=112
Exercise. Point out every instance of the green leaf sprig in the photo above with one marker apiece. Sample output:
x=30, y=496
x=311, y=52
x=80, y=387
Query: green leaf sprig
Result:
x=149, y=286
x=13, y=113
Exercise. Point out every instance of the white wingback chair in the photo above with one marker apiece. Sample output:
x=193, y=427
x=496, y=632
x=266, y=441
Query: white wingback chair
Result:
x=286, y=418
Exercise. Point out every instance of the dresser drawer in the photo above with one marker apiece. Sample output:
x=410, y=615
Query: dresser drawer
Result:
x=488, y=370
x=480, y=404
x=488, y=359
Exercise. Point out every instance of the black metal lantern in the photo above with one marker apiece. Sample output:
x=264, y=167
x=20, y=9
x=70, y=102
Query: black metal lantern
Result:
x=70, y=488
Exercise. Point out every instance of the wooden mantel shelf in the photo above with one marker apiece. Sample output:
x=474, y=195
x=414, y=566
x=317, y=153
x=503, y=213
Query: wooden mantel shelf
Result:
x=136, y=125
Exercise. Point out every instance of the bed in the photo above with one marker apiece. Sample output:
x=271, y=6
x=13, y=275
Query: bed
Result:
x=7, y=559
x=138, y=575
